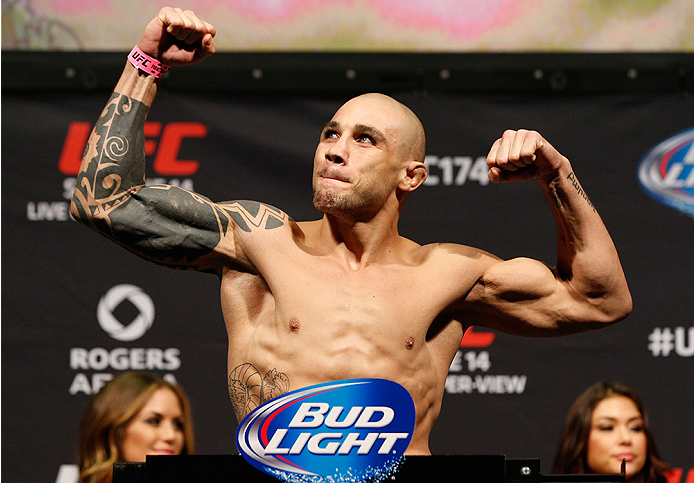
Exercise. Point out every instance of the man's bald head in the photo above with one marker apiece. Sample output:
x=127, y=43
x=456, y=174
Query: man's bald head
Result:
x=408, y=127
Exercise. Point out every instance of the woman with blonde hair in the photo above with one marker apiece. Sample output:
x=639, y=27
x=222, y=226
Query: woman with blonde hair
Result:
x=133, y=415
x=606, y=425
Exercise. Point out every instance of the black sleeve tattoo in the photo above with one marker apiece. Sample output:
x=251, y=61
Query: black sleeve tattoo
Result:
x=250, y=214
x=114, y=157
x=164, y=224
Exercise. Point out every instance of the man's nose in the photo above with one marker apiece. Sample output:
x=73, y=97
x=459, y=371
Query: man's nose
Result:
x=337, y=152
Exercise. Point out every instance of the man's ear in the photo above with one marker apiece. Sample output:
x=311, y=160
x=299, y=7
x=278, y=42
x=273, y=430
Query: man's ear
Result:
x=415, y=174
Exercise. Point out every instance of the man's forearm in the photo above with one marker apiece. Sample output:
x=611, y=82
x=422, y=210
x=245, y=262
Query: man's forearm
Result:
x=113, y=163
x=137, y=85
x=586, y=255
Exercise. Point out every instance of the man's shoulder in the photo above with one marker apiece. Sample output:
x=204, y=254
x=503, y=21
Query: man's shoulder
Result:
x=444, y=249
x=453, y=257
x=252, y=216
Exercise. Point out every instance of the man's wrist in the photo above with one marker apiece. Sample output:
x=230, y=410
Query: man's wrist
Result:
x=137, y=85
x=147, y=63
x=557, y=175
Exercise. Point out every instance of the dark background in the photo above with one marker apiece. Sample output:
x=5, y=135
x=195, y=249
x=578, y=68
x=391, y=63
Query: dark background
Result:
x=604, y=112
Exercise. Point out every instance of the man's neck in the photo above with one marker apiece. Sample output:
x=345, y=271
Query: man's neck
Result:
x=360, y=243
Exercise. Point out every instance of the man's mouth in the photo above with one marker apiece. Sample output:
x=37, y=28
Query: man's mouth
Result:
x=333, y=176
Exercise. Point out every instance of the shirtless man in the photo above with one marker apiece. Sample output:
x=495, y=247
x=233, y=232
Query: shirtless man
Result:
x=345, y=296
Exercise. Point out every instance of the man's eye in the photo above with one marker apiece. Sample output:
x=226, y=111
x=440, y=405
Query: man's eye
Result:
x=331, y=135
x=365, y=138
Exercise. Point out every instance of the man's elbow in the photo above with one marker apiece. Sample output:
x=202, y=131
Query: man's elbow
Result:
x=616, y=307
x=625, y=307
x=79, y=211
x=82, y=211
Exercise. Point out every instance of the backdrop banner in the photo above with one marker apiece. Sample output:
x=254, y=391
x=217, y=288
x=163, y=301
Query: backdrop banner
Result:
x=77, y=309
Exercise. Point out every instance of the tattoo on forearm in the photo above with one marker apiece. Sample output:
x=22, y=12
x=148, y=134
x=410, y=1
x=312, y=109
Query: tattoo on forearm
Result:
x=572, y=177
x=248, y=389
x=555, y=198
x=115, y=154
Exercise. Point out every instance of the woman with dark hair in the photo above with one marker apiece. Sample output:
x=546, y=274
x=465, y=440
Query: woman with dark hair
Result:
x=133, y=415
x=605, y=425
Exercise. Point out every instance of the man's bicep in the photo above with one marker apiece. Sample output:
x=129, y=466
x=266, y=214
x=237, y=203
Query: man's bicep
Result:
x=181, y=229
x=169, y=226
x=519, y=296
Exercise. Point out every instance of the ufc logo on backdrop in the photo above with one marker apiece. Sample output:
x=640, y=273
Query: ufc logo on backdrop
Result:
x=162, y=140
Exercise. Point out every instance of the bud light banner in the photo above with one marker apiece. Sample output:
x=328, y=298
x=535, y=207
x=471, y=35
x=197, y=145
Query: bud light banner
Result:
x=667, y=172
x=349, y=431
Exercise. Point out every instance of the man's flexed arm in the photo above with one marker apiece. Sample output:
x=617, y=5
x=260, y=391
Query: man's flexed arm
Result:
x=167, y=225
x=587, y=288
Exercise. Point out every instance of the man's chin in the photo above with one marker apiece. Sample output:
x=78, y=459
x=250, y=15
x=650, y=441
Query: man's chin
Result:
x=328, y=208
x=329, y=203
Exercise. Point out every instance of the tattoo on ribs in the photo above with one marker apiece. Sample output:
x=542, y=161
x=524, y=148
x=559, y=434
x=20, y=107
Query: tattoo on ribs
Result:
x=248, y=389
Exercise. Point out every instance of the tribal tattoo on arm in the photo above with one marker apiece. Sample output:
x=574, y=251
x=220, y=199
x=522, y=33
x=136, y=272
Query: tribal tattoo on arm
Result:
x=113, y=160
x=164, y=224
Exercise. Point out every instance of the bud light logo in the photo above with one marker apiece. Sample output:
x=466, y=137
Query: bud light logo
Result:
x=351, y=430
x=666, y=172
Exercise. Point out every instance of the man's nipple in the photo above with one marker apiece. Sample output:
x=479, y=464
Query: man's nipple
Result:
x=294, y=325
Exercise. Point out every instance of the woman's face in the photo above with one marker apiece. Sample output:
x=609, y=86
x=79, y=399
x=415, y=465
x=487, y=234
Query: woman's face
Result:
x=157, y=429
x=616, y=433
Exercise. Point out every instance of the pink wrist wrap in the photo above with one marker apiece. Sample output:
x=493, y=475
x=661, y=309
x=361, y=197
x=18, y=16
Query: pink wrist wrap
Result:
x=146, y=63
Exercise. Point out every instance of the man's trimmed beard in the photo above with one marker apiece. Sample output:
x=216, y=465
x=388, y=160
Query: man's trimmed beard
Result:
x=331, y=202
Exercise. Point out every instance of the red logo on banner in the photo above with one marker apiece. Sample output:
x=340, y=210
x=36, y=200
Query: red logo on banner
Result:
x=477, y=339
x=165, y=150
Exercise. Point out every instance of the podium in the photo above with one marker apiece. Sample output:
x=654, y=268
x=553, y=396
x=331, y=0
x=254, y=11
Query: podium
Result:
x=414, y=469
